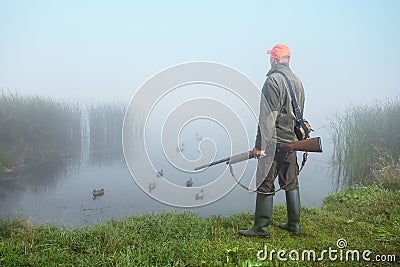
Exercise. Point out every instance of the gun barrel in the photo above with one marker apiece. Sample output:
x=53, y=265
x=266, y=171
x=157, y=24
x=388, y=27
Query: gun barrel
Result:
x=211, y=164
x=230, y=160
x=241, y=157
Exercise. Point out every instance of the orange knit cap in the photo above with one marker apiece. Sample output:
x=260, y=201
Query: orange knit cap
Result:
x=280, y=52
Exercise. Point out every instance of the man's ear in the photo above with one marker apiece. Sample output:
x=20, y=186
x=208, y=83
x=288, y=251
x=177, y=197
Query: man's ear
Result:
x=273, y=61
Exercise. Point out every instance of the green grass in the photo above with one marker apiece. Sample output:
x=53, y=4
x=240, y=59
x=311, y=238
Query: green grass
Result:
x=367, y=217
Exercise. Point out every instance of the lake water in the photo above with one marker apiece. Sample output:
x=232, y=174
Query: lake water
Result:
x=61, y=192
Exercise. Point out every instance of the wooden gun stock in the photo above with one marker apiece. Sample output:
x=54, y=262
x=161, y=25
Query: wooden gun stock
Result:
x=308, y=145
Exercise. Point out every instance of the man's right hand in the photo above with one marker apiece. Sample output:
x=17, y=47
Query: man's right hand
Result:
x=258, y=153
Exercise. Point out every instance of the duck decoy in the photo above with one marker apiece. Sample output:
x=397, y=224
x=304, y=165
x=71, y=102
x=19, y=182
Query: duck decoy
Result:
x=160, y=173
x=152, y=186
x=200, y=195
x=189, y=183
x=97, y=193
x=198, y=137
x=180, y=148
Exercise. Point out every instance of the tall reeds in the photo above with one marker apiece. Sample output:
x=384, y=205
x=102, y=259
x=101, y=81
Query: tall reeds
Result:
x=33, y=126
x=106, y=125
x=106, y=132
x=360, y=136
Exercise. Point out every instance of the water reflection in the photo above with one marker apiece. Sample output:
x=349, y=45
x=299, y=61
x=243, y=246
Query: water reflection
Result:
x=48, y=173
x=106, y=156
x=62, y=189
x=61, y=192
x=43, y=176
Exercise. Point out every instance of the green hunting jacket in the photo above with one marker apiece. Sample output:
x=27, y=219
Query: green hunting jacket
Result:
x=276, y=119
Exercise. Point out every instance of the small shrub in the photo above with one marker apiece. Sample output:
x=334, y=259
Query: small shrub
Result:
x=6, y=160
x=386, y=171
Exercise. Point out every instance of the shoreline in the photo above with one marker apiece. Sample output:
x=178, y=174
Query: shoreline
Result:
x=361, y=217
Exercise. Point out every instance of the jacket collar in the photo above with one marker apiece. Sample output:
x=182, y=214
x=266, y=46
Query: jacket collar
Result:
x=280, y=66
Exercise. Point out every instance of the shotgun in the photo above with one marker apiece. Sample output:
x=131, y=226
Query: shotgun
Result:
x=307, y=145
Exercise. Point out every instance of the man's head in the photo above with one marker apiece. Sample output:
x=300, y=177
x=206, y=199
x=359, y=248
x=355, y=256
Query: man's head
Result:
x=279, y=53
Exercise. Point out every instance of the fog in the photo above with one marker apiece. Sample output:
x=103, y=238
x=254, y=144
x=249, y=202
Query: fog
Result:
x=346, y=53
x=100, y=51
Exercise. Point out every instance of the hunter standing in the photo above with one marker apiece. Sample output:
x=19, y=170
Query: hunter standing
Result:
x=276, y=124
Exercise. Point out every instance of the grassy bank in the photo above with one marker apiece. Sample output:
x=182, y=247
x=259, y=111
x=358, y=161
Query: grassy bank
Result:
x=367, y=218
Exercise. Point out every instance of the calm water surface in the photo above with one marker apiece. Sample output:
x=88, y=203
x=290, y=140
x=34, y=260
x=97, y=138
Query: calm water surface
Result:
x=60, y=192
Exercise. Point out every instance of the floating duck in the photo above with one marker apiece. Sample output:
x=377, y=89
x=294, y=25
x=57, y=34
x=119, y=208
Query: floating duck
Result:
x=198, y=137
x=97, y=193
x=180, y=148
x=189, y=183
x=200, y=195
x=152, y=186
x=5, y=170
x=160, y=173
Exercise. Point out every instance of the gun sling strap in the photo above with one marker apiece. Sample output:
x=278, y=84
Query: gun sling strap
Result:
x=297, y=113
x=296, y=108
x=305, y=155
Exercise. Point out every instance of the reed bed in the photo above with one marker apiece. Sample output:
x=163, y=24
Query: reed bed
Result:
x=106, y=121
x=35, y=127
x=106, y=126
x=362, y=136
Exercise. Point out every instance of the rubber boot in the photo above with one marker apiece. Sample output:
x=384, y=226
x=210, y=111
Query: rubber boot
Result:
x=293, y=212
x=263, y=214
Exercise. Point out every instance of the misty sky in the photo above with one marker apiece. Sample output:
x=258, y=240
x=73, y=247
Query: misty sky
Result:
x=346, y=52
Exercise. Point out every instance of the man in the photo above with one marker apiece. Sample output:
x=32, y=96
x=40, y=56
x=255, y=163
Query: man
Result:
x=276, y=125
